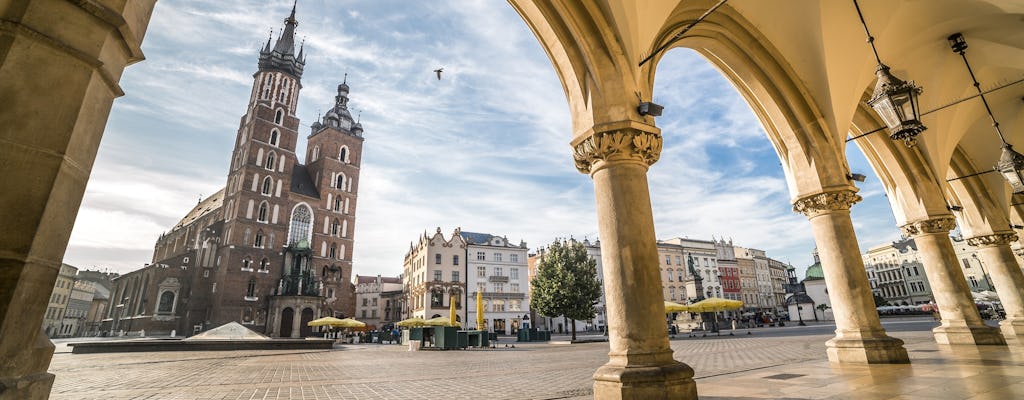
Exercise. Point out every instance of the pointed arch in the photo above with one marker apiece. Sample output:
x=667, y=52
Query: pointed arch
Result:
x=339, y=181
x=257, y=241
x=279, y=116
x=343, y=154
x=271, y=162
x=267, y=187
x=300, y=226
x=275, y=137
x=261, y=216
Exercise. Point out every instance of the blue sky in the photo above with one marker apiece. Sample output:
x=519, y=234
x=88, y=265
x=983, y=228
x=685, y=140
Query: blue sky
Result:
x=485, y=148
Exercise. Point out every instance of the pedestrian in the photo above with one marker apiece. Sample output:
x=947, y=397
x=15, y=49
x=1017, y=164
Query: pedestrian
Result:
x=734, y=324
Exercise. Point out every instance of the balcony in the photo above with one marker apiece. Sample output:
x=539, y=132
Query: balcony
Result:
x=497, y=279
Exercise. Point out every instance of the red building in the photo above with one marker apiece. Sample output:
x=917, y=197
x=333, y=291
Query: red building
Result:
x=272, y=250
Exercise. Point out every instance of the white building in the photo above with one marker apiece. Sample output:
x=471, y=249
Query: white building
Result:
x=498, y=269
x=370, y=306
x=434, y=276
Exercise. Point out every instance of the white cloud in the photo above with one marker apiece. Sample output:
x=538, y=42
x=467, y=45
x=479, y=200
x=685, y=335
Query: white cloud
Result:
x=484, y=148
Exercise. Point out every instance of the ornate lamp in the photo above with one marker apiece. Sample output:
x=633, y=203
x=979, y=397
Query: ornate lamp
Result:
x=1011, y=163
x=894, y=100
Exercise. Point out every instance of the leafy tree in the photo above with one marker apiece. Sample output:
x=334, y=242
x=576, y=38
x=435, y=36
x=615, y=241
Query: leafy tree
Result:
x=566, y=283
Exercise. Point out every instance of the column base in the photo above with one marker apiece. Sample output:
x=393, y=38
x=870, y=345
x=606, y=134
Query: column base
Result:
x=672, y=381
x=27, y=387
x=866, y=347
x=1013, y=328
x=958, y=332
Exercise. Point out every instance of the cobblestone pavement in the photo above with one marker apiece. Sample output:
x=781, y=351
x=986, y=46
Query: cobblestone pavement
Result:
x=529, y=371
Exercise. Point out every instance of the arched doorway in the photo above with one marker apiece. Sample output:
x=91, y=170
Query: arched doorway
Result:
x=304, y=328
x=287, y=317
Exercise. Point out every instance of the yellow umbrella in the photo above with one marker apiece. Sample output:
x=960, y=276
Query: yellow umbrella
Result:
x=337, y=323
x=714, y=304
x=349, y=323
x=451, y=309
x=325, y=321
x=671, y=307
x=412, y=322
x=441, y=321
x=480, y=312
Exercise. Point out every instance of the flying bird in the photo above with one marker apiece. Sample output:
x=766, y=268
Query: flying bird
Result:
x=439, y=71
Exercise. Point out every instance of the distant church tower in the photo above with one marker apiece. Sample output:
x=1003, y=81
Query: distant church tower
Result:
x=273, y=249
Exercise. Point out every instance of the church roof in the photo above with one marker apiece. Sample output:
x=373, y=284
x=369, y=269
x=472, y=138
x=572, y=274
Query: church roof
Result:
x=282, y=56
x=302, y=183
x=814, y=272
x=204, y=207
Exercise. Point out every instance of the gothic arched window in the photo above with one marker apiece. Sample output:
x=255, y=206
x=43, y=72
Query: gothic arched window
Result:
x=246, y=263
x=271, y=161
x=334, y=227
x=300, y=224
x=344, y=154
x=278, y=117
x=262, y=215
x=316, y=153
x=264, y=265
x=258, y=241
x=267, y=185
x=334, y=250
x=250, y=290
x=274, y=136
x=340, y=182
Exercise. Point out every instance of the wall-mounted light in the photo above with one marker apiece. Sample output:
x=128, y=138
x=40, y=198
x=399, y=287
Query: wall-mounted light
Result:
x=1012, y=226
x=856, y=177
x=894, y=100
x=649, y=108
x=955, y=208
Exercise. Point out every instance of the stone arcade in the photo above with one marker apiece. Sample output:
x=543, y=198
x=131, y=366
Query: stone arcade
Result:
x=802, y=66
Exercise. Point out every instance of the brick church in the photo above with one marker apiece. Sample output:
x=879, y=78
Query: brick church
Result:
x=272, y=249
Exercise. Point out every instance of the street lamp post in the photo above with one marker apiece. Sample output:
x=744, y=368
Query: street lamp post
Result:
x=800, y=313
x=984, y=274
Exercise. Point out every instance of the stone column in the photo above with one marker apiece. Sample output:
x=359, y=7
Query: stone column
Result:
x=297, y=321
x=961, y=323
x=640, y=364
x=60, y=62
x=859, y=334
x=1006, y=276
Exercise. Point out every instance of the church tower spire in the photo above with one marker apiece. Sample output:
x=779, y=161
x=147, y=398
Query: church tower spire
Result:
x=282, y=57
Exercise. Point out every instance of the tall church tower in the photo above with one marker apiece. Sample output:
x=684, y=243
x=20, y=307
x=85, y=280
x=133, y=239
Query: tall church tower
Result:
x=257, y=206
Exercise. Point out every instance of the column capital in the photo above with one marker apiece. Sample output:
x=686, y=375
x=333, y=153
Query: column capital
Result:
x=995, y=239
x=622, y=142
x=816, y=204
x=941, y=224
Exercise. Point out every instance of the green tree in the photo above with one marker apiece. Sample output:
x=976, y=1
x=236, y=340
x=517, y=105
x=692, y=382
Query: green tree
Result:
x=566, y=283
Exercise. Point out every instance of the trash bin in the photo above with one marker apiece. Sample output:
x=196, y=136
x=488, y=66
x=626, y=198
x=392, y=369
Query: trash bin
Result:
x=463, y=339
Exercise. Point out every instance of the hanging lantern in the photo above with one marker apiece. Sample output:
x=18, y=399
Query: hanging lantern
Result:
x=895, y=101
x=1011, y=165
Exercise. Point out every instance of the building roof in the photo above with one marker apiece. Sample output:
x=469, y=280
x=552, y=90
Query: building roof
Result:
x=476, y=238
x=302, y=183
x=372, y=279
x=204, y=207
x=814, y=272
x=799, y=298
